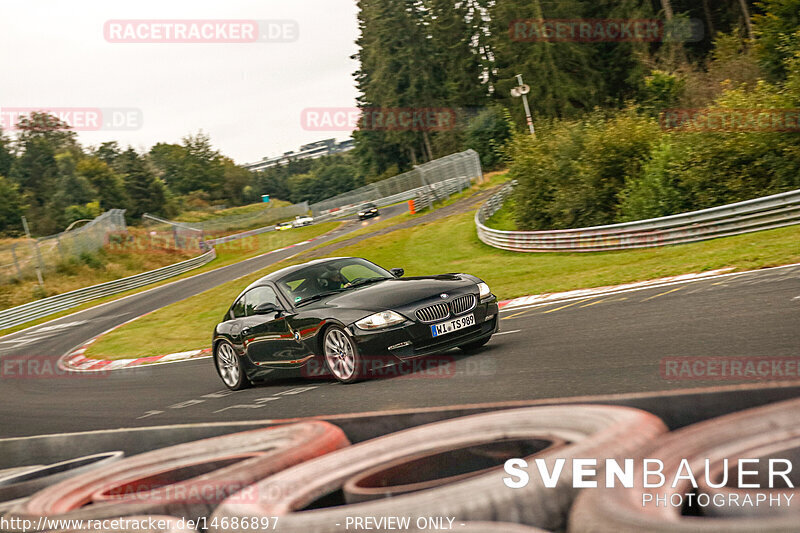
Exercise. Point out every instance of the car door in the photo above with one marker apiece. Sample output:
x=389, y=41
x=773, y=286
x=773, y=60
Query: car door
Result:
x=260, y=332
x=267, y=338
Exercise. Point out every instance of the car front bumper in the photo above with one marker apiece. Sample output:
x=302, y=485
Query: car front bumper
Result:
x=414, y=339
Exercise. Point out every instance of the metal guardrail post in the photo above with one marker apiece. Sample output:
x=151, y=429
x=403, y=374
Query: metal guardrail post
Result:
x=16, y=262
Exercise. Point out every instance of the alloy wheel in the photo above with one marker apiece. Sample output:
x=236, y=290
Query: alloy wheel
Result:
x=339, y=354
x=228, y=365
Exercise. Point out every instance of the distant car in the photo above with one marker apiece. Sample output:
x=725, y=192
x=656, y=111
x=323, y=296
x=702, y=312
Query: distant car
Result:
x=283, y=226
x=304, y=220
x=368, y=211
x=347, y=316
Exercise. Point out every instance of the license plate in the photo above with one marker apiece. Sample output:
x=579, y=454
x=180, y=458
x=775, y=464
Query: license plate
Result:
x=443, y=328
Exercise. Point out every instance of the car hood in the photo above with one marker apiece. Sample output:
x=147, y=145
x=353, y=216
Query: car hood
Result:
x=398, y=293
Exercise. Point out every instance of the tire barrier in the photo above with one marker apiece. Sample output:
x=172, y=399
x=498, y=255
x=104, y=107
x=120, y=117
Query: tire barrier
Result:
x=17, y=486
x=15, y=470
x=621, y=509
x=592, y=431
x=187, y=480
x=784, y=450
x=429, y=470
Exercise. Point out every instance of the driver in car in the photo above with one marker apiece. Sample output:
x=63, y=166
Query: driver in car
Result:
x=333, y=280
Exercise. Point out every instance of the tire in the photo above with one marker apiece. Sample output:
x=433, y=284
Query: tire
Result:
x=187, y=480
x=621, y=509
x=435, y=469
x=788, y=449
x=594, y=431
x=229, y=367
x=17, y=486
x=475, y=346
x=341, y=355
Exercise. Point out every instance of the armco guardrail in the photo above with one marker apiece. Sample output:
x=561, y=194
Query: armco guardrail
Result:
x=47, y=306
x=769, y=212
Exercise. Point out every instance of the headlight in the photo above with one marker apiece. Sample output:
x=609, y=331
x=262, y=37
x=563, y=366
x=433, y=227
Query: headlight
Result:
x=384, y=319
x=483, y=290
x=360, y=213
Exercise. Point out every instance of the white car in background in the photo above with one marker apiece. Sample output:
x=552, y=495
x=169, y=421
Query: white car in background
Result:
x=302, y=220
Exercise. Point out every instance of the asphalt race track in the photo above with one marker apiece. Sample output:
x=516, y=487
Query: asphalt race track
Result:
x=599, y=345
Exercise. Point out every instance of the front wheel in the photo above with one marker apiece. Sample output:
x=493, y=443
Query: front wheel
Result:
x=229, y=367
x=341, y=355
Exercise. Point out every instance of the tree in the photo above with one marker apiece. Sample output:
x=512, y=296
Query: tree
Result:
x=6, y=156
x=147, y=193
x=11, y=208
x=108, y=184
x=108, y=152
x=487, y=133
x=563, y=77
x=191, y=166
x=236, y=179
x=776, y=29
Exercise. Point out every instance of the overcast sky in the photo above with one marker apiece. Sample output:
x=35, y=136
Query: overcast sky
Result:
x=247, y=96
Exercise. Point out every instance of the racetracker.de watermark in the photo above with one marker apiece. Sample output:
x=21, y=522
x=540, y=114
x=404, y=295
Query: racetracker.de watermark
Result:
x=78, y=118
x=201, y=31
x=730, y=368
x=378, y=119
x=605, y=30
x=429, y=367
x=41, y=367
x=730, y=120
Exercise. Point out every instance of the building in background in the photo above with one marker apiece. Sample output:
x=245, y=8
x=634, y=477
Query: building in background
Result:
x=307, y=151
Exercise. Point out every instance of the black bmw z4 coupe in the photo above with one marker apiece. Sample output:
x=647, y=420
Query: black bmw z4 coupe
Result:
x=348, y=315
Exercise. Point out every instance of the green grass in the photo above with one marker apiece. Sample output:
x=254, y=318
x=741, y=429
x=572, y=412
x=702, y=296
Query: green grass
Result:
x=503, y=219
x=227, y=254
x=451, y=245
x=202, y=215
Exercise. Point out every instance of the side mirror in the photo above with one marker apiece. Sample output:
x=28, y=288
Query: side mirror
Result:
x=397, y=272
x=267, y=308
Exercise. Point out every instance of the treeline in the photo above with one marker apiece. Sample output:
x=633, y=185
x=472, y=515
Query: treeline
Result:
x=695, y=134
x=47, y=176
x=462, y=55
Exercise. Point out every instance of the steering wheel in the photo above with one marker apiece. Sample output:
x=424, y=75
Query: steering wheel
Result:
x=353, y=282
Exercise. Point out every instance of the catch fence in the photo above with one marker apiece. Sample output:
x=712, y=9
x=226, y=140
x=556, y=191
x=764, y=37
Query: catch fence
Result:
x=22, y=258
x=424, y=179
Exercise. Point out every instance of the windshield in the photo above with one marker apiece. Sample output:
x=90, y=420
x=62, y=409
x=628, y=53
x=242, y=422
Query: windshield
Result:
x=322, y=279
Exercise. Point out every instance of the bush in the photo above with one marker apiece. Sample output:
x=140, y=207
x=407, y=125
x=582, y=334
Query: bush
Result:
x=487, y=134
x=91, y=260
x=654, y=193
x=572, y=174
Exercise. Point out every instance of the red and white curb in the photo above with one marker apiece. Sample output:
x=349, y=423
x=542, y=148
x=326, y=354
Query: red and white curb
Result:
x=76, y=360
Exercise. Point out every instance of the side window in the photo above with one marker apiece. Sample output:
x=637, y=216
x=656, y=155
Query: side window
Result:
x=237, y=311
x=258, y=296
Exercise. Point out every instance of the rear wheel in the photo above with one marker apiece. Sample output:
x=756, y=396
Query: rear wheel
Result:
x=229, y=367
x=341, y=355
